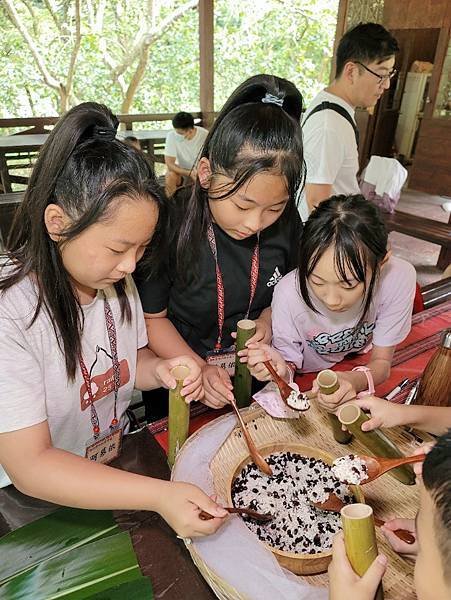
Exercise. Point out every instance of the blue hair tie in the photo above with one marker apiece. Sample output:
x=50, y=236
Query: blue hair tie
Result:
x=271, y=99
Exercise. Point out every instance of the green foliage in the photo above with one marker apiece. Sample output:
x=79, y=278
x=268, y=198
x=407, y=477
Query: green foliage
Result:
x=291, y=38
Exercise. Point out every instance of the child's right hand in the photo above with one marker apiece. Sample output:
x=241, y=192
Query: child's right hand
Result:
x=180, y=507
x=258, y=354
x=217, y=386
x=406, y=550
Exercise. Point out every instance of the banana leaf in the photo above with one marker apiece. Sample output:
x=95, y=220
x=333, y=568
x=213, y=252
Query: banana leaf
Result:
x=79, y=573
x=139, y=589
x=50, y=536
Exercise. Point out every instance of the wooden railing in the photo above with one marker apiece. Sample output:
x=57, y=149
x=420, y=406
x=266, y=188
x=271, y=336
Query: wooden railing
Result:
x=39, y=124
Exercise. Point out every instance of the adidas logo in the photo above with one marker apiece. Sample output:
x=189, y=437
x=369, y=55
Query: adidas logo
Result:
x=275, y=277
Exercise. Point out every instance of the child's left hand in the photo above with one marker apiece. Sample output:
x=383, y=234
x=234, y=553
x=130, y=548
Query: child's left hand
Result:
x=192, y=386
x=331, y=402
x=345, y=583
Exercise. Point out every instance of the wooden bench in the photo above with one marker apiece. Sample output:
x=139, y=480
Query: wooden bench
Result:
x=8, y=206
x=423, y=229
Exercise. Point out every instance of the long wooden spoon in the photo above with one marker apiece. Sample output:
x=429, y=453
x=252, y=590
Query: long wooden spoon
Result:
x=377, y=466
x=286, y=390
x=262, y=517
x=255, y=454
x=335, y=504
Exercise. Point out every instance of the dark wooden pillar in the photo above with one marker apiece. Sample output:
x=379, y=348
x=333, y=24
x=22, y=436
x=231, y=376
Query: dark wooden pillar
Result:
x=206, y=50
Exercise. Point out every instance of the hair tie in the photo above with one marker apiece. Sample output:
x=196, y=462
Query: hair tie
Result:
x=107, y=134
x=271, y=99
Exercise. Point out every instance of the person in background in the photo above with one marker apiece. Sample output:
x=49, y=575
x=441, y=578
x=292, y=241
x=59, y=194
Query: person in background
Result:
x=365, y=62
x=132, y=141
x=236, y=233
x=183, y=146
x=431, y=551
x=73, y=341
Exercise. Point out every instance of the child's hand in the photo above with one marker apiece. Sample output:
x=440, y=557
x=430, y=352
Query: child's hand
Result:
x=217, y=386
x=383, y=413
x=192, y=384
x=181, y=505
x=345, y=583
x=406, y=550
x=331, y=402
x=418, y=466
x=257, y=354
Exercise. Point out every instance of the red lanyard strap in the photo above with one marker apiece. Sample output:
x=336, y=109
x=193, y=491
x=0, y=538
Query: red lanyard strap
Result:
x=112, y=337
x=255, y=266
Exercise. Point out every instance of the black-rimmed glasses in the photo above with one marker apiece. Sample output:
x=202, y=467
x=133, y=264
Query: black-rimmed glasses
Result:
x=382, y=78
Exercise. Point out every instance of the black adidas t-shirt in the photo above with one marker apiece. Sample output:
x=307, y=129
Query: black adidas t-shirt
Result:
x=192, y=305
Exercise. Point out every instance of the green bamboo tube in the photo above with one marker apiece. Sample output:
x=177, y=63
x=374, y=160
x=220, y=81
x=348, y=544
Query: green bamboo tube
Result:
x=242, y=382
x=360, y=539
x=328, y=384
x=377, y=443
x=178, y=421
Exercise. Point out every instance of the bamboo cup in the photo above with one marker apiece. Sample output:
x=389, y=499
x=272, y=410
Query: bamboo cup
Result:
x=178, y=422
x=242, y=383
x=377, y=443
x=360, y=539
x=328, y=384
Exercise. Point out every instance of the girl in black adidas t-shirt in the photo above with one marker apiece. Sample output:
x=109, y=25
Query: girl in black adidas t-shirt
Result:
x=235, y=236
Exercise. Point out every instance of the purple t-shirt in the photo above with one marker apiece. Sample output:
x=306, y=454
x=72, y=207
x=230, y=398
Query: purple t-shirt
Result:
x=316, y=341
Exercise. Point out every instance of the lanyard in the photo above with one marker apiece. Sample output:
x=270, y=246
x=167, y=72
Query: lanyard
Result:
x=112, y=337
x=255, y=265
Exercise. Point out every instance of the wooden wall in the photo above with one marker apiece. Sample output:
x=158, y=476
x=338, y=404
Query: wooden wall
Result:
x=431, y=168
x=415, y=14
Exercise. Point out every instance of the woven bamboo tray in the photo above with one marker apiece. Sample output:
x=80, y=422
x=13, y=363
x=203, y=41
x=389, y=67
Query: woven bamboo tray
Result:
x=387, y=496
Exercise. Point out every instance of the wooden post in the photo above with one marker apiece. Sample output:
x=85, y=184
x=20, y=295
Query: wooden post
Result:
x=242, y=384
x=328, y=384
x=376, y=442
x=178, y=421
x=206, y=61
x=360, y=539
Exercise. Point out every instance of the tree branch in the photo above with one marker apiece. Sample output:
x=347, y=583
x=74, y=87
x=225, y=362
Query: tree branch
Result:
x=75, y=49
x=34, y=21
x=53, y=10
x=49, y=79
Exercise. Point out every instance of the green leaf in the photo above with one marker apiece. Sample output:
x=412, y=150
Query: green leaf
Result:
x=79, y=573
x=55, y=534
x=139, y=589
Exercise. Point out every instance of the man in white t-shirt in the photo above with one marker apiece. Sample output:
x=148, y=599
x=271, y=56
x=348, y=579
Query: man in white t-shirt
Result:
x=364, y=69
x=183, y=146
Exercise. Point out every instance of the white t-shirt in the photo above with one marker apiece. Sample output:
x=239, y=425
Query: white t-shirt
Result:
x=186, y=152
x=330, y=150
x=316, y=341
x=34, y=386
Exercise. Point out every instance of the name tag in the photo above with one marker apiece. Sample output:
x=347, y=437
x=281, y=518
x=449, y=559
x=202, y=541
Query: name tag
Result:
x=224, y=358
x=106, y=447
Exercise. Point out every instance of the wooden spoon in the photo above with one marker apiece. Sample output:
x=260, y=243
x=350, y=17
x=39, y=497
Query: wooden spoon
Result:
x=255, y=454
x=284, y=388
x=377, y=466
x=335, y=504
x=262, y=517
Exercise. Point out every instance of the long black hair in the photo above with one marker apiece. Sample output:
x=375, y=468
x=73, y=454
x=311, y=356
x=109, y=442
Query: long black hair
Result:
x=83, y=169
x=356, y=230
x=257, y=130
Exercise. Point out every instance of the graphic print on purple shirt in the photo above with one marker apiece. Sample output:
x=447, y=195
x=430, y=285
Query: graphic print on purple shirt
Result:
x=346, y=340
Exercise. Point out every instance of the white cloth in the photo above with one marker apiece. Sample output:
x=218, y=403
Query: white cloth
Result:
x=330, y=150
x=386, y=174
x=33, y=383
x=186, y=152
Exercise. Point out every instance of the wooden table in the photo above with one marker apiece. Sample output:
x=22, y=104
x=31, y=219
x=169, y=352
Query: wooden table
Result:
x=21, y=146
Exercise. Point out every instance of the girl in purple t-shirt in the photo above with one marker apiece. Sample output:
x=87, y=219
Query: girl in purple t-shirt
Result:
x=347, y=295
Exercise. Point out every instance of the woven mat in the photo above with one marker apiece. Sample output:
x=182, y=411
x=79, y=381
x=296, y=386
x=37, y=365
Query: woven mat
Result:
x=386, y=495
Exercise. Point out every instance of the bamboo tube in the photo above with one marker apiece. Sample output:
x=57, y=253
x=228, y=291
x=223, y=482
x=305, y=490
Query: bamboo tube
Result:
x=377, y=443
x=178, y=421
x=328, y=384
x=360, y=539
x=242, y=383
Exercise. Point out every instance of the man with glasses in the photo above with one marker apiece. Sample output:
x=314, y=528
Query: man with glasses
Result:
x=364, y=68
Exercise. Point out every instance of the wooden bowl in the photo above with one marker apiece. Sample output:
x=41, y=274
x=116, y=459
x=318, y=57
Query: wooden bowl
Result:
x=300, y=564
